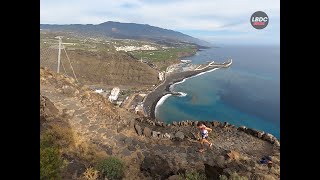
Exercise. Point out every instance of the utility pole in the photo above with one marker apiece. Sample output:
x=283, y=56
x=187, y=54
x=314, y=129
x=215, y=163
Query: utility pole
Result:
x=60, y=42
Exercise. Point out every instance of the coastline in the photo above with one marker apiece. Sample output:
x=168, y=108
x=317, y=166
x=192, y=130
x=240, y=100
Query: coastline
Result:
x=154, y=97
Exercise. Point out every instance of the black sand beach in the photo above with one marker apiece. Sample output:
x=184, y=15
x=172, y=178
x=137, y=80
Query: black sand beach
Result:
x=153, y=98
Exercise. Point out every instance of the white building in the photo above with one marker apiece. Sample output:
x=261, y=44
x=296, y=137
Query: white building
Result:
x=99, y=91
x=161, y=76
x=114, y=94
x=139, y=108
x=135, y=48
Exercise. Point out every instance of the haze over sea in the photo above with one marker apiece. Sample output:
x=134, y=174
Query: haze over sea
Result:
x=246, y=94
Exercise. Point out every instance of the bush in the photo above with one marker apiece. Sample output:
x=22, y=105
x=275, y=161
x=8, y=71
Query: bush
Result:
x=233, y=176
x=112, y=168
x=193, y=175
x=51, y=163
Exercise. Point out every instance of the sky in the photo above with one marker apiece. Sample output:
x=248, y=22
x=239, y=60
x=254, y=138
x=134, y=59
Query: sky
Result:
x=217, y=21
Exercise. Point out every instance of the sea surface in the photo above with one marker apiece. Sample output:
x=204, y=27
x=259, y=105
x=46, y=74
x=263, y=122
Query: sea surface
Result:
x=246, y=94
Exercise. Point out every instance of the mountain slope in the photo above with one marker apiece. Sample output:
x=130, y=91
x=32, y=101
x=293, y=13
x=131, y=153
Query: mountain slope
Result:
x=126, y=31
x=87, y=128
x=103, y=67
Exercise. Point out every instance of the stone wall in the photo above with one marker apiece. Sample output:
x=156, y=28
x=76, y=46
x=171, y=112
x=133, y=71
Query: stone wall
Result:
x=174, y=130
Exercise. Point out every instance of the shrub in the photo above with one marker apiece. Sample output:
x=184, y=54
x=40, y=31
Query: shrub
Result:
x=91, y=174
x=233, y=176
x=51, y=163
x=193, y=175
x=112, y=168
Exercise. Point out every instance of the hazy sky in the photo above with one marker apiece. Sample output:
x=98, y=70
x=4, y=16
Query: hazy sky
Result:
x=216, y=21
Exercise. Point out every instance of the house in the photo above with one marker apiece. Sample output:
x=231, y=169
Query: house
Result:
x=139, y=109
x=114, y=94
x=161, y=76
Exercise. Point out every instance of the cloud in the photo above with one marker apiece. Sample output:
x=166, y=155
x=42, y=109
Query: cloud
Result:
x=181, y=15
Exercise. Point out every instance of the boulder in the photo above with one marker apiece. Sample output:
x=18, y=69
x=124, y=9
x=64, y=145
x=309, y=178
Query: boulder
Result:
x=276, y=143
x=163, y=124
x=225, y=124
x=260, y=134
x=174, y=123
x=147, y=132
x=155, y=134
x=158, y=123
x=267, y=137
x=252, y=132
x=138, y=129
x=166, y=135
x=184, y=123
x=215, y=124
x=157, y=167
x=179, y=135
x=195, y=123
x=242, y=128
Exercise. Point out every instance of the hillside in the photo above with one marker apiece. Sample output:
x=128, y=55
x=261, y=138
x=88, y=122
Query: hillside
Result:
x=103, y=67
x=120, y=30
x=86, y=129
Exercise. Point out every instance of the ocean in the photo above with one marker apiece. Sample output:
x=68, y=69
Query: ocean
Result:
x=246, y=94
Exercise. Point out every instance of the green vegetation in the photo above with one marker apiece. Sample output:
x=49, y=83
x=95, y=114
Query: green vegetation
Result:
x=193, y=175
x=233, y=176
x=59, y=139
x=163, y=55
x=51, y=162
x=112, y=168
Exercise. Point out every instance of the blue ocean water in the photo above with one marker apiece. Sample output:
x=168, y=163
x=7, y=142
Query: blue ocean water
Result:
x=247, y=93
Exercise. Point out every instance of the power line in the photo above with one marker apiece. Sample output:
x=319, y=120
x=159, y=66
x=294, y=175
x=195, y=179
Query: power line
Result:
x=70, y=64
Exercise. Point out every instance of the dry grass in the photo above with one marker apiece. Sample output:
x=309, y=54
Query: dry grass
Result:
x=74, y=145
x=87, y=151
x=90, y=174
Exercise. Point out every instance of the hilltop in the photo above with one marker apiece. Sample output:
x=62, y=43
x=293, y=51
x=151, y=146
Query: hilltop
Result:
x=120, y=30
x=86, y=128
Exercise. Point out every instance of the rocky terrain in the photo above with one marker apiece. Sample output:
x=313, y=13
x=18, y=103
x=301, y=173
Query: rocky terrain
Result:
x=150, y=149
